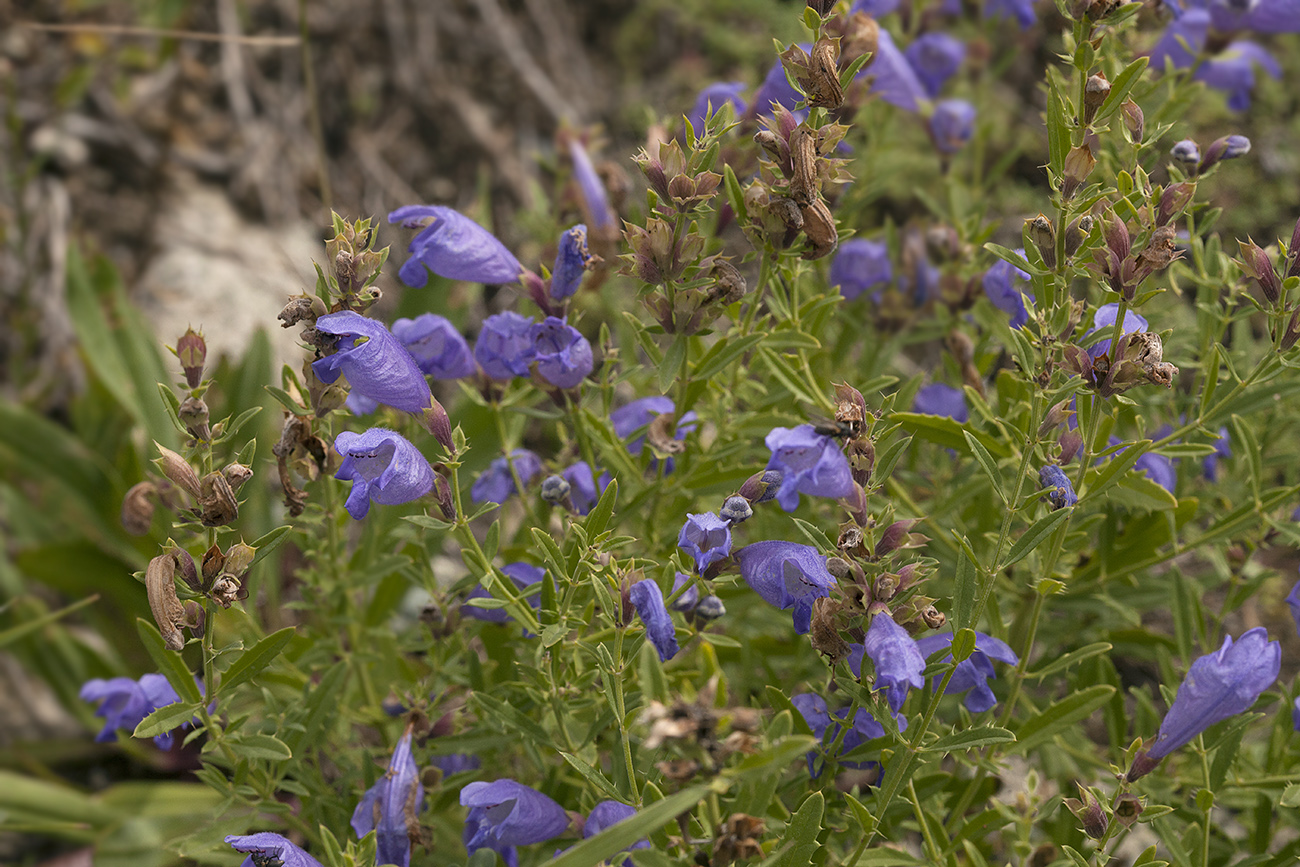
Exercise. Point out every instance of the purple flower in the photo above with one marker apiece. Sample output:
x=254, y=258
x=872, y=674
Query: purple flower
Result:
x=497, y=483
x=973, y=673
x=126, y=702
x=940, y=399
x=707, y=538
x=810, y=463
x=1219, y=685
x=1292, y=601
x=456, y=763
x=861, y=266
x=435, y=344
x=787, y=575
x=1158, y=469
x=648, y=600
x=505, y=813
x=524, y=576
x=608, y=813
x=504, y=348
x=690, y=597
x=898, y=661
x=952, y=124
x=892, y=77
x=387, y=803
x=1021, y=10
x=1187, y=152
x=935, y=58
x=1262, y=16
x=1233, y=71
x=1104, y=320
x=266, y=847
x=1295, y=714
x=571, y=262
x=594, y=197
x=874, y=8
x=379, y=368
x=639, y=413
x=359, y=405
x=1004, y=284
x=383, y=467
x=776, y=88
x=1059, y=490
x=453, y=246
x=712, y=98
x=583, y=490
x=563, y=354
x=814, y=712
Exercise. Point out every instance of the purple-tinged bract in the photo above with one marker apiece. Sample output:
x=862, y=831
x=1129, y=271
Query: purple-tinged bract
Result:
x=270, y=847
x=648, y=600
x=563, y=355
x=861, y=266
x=125, y=702
x=506, y=813
x=973, y=673
x=383, y=467
x=385, y=806
x=435, y=344
x=504, y=348
x=897, y=660
x=1217, y=686
x=378, y=368
x=497, y=483
x=453, y=246
x=810, y=463
x=707, y=538
x=787, y=575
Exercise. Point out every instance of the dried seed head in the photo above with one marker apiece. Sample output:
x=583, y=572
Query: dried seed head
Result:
x=236, y=475
x=178, y=470
x=1042, y=234
x=193, y=413
x=217, y=503
x=225, y=590
x=819, y=228
x=138, y=507
x=166, y=606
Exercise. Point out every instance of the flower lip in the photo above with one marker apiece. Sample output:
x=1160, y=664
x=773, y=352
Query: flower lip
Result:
x=786, y=575
x=453, y=246
x=810, y=463
x=504, y=348
x=436, y=345
x=265, y=847
x=384, y=467
x=378, y=368
x=507, y=813
x=707, y=538
x=898, y=661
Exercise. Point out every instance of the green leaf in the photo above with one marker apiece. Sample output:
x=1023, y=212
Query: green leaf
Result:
x=620, y=835
x=266, y=747
x=986, y=462
x=511, y=719
x=283, y=398
x=1120, y=88
x=722, y=354
x=1058, y=129
x=800, y=839
x=790, y=378
x=780, y=702
x=169, y=662
x=970, y=739
x=1074, y=657
x=735, y=195
x=251, y=662
x=598, y=517
x=1034, y=536
x=14, y=633
x=166, y=718
x=269, y=542
x=946, y=432
x=674, y=361
x=591, y=775
x=1245, y=436
x=320, y=704
x=963, y=600
x=1041, y=728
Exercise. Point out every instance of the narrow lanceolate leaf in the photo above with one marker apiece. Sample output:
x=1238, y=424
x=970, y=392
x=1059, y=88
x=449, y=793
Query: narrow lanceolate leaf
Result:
x=970, y=739
x=169, y=663
x=1074, y=657
x=1040, y=729
x=166, y=718
x=986, y=462
x=620, y=835
x=1035, y=536
x=800, y=839
x=252, y=661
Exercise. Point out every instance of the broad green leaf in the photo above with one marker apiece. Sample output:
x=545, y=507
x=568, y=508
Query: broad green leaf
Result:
x=966, y=589
x=166, y=718
x=258, y=746
x=1042, y=727
x=800, y=839
x=598, y=517
x=251, y=662
x=735, y=195
x=674, y=362
x=1120, y=88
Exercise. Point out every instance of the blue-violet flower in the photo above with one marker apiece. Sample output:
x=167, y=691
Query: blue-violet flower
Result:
x=435, y=344
x=940, y=399
x=973, y=673
x=453, y=246
x=1059, y=490
x=378, y=367
x=861, y=266
x=707, y=538
x=952, y=125
x=497, y=483
x=386, y=805
x=814, y=711
x=810, y=463
x=787, y=575
x=648, y=600
x=897, y=660
x=571, y=262
x=506, y=813
x=504, y=348
x=563, y=355
x=125, y=702
x=266, y=847
x=383, y=467
x=935, y=58
x=1004, y=284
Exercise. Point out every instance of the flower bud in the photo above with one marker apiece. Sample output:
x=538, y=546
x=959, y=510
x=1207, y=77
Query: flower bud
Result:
x=894, y=537
x=238, y=558
x=192, y=352
x=178, y=470
x=555, y=489
x=1227, y=148
x=167, y=610
x=195, y=618
x=1088, y=811
x=1187, y=154
x=1095, y=91
x=193, y=413
x=1255, y=262
x=1134, y=121
x=821, y=7
x=189, y=573
x=761, y=487
x=137, y=508
x=437, y=423
x=710, y=608
x=1076, y=233
x=735, y=510
x=1142, y=765
x=1174, y=200
x=1042, y=234
x=1071, y=442
x=443, y=497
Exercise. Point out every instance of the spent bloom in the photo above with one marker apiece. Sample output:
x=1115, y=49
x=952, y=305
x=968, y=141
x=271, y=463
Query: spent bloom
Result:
x=935, y=57
x=563, y=355
x=814, y=711
x=787, y=575
x=125, y=702
x=648, y=600
x=435, y=344
x=1004, y=284
x=504, y=348
x=952, y=124
x=385, y=806
x=1059, y=490
x=505, y=813
x=973, y=673
x=497, y=483
x=861, y=266
x=383, y=467
x=707, y=538
x=810, y=463
x=266, y=847
x=713, y=98
x=376, y=364
x=571, y=262
x=453, y=246
x=897, y=660
x=940, y=399
x=1217, y=686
